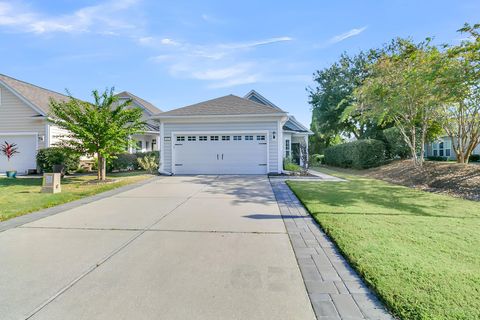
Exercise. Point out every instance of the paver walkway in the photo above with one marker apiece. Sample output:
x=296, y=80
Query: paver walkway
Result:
x=335, y=289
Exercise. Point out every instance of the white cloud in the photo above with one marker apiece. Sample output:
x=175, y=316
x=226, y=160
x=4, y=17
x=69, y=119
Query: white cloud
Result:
x=103, y=18
x=169, y=42
x=220, y=65
x=346, y=35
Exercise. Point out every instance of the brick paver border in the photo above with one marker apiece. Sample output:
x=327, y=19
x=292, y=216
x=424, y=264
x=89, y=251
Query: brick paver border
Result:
x=336, y=291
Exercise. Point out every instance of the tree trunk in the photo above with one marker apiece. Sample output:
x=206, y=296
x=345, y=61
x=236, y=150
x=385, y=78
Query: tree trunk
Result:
x=102, y=165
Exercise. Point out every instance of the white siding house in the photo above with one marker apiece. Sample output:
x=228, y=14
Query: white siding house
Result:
x=24, y=110
x=226, y=135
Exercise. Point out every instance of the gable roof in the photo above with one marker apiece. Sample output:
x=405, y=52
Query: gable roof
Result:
x=257, y=97
x=227, y=105
x=292, y=124
x=144, y=103
x=37, y=96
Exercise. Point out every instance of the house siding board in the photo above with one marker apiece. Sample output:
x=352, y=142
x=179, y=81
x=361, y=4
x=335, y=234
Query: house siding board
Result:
x=17, y=116
x=221, y=126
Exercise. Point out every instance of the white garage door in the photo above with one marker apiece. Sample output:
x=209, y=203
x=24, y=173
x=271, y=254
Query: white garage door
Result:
x=25, y=159
x=228, y=153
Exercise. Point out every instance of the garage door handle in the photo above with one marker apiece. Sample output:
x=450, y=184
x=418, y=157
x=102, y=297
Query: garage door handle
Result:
x=222, y=156
x=217, y=156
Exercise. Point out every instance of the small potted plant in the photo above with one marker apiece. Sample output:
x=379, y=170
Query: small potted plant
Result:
x=9, y=150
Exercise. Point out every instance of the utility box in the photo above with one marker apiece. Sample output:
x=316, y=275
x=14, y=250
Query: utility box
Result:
x=52, y=183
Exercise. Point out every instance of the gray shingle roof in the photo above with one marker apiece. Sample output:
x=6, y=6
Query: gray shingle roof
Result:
x=227, y=105
x=293, y=125
x=38, y=96
x=147, y=105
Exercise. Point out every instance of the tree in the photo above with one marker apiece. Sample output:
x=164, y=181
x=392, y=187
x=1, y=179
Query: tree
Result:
x=102, y=128
x=334, y=94
x=402, y=89
x=461, y=84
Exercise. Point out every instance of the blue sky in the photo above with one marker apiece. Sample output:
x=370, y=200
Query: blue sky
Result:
x=175, y=53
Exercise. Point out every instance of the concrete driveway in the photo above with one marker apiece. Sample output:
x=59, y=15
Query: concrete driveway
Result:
x=205, y=247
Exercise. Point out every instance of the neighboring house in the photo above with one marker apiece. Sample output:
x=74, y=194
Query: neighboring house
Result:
x=149, y=141
x=442, y=147
x=24, y=110
x=228, y=135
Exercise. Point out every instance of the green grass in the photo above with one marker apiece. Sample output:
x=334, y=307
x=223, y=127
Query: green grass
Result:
x=419, y=251
x=21, y=196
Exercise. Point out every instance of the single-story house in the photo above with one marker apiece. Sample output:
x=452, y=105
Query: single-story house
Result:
x=24, y=110
x=229, y=135
x=442, y=147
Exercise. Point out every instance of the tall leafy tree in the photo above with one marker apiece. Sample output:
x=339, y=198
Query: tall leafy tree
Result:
x=403, y=89
x=333, y=95
x=460, y=82
x=102, y=128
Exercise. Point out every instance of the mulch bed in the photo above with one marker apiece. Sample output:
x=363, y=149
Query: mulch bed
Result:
x=455, y=179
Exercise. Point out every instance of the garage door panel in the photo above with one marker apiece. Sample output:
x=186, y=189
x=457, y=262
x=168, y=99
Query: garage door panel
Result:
x=25, y=159
x=220, y=157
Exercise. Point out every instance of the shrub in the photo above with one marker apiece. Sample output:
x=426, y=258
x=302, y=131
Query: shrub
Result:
x=317, y=159
x=48, y=157
x=474, y=158
x=290, y=166
x=436, y=158
x=395, y=144
x=127, y=161
x=148, y=163
x=358, y=154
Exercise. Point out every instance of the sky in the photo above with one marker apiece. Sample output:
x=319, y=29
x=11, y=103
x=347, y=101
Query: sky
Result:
x=176, y=53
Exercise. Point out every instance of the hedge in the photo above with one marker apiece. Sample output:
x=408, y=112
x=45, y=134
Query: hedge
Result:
x=48, y=157
x=127, y=161
x=360, y=154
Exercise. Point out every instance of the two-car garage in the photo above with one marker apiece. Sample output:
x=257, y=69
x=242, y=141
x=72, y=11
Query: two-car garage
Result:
x=220, y=152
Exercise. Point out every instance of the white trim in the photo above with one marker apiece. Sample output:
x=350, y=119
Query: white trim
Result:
x=20, y=133
x=47, y=135
x=161, y=148
x=18, y=95
x=175, y=133
x=160, y=116
x=280, y=148
x=299, y=133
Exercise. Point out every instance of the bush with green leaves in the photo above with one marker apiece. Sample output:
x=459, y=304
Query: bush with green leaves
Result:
x=148, y=163
x=317, y=159
x=437, y=158
x=360, y=154
x=474, y=158
x=128, y=162
x=290, y=166
x=395, y=144
x=48, y=157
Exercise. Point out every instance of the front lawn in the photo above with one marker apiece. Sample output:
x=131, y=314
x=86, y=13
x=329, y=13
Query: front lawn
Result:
x=22, y=195
x=420, y=251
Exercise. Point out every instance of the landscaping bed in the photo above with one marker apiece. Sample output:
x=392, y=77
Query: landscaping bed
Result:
x=21, y=196
x=419, y=251
x=450, y=178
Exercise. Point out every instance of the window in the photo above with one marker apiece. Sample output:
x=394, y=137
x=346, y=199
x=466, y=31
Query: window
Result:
x=202, y=138
x=447, y=152
x=192, y=138
x=287, y=148
x=180, y=138
x=139, y=145
x=238, y=138
x=262, y=138
x=147, y=144
x=435, y=152
x=248, y=137
x=213, y=138
x=225, y=138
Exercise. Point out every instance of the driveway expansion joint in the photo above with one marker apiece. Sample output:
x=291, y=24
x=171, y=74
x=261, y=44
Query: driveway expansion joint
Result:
x=335, y=290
